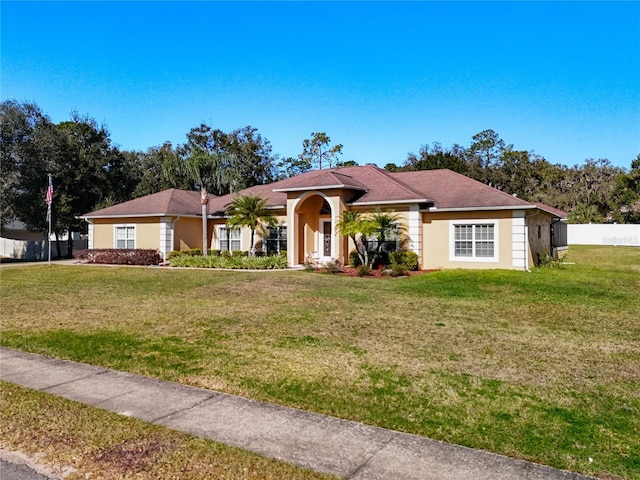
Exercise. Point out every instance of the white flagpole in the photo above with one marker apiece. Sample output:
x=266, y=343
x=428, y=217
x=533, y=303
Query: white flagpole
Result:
x=50, y=215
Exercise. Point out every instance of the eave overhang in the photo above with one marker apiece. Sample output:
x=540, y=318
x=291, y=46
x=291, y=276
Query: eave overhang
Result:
x=321, y=187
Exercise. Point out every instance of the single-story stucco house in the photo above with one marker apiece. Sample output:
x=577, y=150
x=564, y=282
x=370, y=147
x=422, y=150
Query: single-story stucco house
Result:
x=450, y=220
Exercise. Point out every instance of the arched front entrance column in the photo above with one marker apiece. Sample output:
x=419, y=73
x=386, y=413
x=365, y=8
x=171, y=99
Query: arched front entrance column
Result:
x=312, y=217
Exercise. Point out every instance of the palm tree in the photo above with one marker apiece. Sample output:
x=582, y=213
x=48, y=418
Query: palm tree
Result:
x=250, y=211
x=585, y=213
x=357, y=228
x=203, y=168
x=385, y=223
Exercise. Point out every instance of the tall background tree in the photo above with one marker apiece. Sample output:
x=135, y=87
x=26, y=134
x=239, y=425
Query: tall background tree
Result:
x=318, y=152
x=28, y=145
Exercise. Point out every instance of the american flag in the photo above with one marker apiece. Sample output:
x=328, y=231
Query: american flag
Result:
x=49, y=197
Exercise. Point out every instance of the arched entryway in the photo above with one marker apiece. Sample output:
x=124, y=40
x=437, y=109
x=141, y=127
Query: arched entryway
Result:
x=315, y=220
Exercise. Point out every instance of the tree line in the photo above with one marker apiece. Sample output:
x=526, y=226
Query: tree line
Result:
x=593, y=192
x=90, y=171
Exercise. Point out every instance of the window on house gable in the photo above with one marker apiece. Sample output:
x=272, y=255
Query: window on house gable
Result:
x=226, y=236
x=276, y=240
x=474, y=241
x=125, y=236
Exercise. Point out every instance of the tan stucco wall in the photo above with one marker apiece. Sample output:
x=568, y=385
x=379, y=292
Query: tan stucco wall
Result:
x=436, y=241
x=147, y=231
x=245, y=239
x=187, y=233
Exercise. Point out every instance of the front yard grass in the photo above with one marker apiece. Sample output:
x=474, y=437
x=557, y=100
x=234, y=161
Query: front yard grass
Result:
x=54, y=431
x=543, y=366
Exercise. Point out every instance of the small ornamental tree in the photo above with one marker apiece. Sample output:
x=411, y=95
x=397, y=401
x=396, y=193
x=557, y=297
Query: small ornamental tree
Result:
x=250, y=211
x=380, y=225
x=385, y=224
x=357, y=228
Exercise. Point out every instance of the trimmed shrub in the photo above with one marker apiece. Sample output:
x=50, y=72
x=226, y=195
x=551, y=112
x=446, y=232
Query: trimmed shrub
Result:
x=398, y=270
x=363, y=270
x=173, y=254
x=239, y=253
x=405, y=258
x=231, y=262
x=354, y=259
x=115, y=256
x=193, y=252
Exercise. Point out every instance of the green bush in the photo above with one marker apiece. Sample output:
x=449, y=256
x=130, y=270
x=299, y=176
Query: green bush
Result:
x=405, y=258
x=398, y=270
x=231, y=262
x=363, y=270
x=239, y=253
x=193, y=252
x=354, y=259
x=173, y=254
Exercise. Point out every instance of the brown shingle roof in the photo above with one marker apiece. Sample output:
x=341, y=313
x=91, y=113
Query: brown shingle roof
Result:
x=442, y=189
x=167, y=202
x=554, y=211
x=449, y=189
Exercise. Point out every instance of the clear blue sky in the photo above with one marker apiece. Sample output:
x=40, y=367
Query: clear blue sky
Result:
x=562, y=79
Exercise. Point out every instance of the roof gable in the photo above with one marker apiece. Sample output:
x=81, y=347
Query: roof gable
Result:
x=166, y=202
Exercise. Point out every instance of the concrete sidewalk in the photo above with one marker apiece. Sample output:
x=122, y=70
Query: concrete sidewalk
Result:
x=346, y=449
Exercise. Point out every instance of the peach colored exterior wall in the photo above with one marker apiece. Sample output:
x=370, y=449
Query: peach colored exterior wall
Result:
x=436, y=239
x=245, y=234
x=303, y=211
x=187, y=233
x=147, y=231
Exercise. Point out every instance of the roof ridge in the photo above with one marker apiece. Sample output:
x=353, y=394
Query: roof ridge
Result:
x=469, y=179
x=397, y=181
x=350, y=177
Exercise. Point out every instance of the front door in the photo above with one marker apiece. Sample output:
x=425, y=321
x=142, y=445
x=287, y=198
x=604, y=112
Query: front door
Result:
x=326, y=240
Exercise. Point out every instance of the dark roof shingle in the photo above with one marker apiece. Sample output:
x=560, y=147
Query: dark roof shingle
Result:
x=166, y=202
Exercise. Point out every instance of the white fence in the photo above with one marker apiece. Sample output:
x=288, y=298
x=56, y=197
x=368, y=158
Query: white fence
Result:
x=34, y=249
x=603, y=234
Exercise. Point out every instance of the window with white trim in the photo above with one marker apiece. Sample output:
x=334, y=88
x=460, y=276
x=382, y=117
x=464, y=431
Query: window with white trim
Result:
x=474, y=241
x=125, y=236
x=275, y=241
x=228, y=236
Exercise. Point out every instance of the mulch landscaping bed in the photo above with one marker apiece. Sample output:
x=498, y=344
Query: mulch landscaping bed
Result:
x=375, y=273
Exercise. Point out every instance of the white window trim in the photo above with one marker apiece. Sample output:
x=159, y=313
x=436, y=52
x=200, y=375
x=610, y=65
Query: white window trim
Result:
x=452, y=241
x=219, y=237
x=124, y=225
x=280, y=238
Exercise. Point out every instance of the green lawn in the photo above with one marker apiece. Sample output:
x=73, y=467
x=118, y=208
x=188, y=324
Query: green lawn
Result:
x=115, y=447
x=543, y=365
